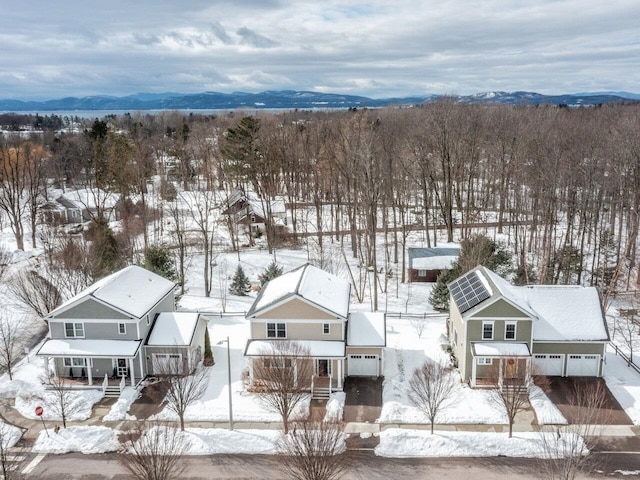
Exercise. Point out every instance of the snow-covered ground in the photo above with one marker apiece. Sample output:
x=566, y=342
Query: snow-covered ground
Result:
x=624, y=382
x=546, y=411
x=121, y=407
x=80, y=438
x=396, y=442
x=9, y=435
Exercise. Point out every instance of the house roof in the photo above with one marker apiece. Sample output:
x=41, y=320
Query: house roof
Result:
x=309, y=283
x=88, y=198
x=81, y=347
x=366, y=329
x=173, y=329
x=500, y=349
x=316, y=348
x=559, y=312
x=423, y=258
x=132, y=290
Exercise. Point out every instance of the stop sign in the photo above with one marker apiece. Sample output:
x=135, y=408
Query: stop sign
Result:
x=39, y=411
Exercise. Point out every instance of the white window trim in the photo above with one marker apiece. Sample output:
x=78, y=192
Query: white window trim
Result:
x=122, y=324
x=75, y=326
x=71, y=361
x=328, y=328
x=276, y=324
x=515, y=330
x=484, y=323
x=422, y=272
x=485, y=361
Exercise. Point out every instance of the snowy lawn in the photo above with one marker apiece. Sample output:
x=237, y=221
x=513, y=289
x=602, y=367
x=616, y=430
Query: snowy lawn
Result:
x=546, y=411
x=335, y=407
x=9, y=435
x=84, y=439
x=396, y=442
x=208, y=441
x=405, y=352
x=79, y=407
x=624, y=384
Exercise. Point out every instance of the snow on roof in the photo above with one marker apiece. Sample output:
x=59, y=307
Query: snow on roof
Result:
x=560, y=312
x=89, y=348
x=366, y=329
x=566, y=313
x=173, y=328
x=316, y=348
x=91, y=197
x=500, y=349
x=434, y=263
x=311, y=283
x=134, y=290
x=415, y=253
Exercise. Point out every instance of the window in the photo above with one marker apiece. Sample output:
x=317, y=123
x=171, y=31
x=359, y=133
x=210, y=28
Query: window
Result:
x=487, y=330
x=326, y=328
x=276, y=330
x=485, y=361
x=277, y=362
x=75, y=362
x=422, y=273
x=510, y=331
x=122, y=328
x=74, y=330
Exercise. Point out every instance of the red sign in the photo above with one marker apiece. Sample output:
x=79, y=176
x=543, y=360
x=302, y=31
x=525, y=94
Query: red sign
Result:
x=39, y=411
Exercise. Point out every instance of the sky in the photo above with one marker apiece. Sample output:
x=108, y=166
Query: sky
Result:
x=376, y=48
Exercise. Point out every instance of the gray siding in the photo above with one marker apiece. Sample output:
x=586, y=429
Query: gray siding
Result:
x=578, y=348
x=100, y=330
x=91, y=309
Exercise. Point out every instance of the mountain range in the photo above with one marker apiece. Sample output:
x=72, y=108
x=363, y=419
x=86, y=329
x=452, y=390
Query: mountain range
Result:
x=291, y=99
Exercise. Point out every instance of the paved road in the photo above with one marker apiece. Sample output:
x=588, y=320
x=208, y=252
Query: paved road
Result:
x=364, y=466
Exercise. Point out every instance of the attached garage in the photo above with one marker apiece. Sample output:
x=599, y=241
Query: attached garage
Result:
x=548, y=364
x=583, y=365
x=363, y=365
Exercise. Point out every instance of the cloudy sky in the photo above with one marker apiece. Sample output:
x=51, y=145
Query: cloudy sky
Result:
x=377, y=48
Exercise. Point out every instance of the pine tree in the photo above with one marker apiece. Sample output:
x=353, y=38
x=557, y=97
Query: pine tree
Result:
x=158, y=259
x=271, y=272
x=208, y=354
x=240, y=284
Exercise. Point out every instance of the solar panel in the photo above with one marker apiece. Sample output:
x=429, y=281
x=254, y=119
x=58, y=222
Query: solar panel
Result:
x=468, y=291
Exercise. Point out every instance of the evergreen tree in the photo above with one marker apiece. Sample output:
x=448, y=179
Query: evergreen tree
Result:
x=271, y=272
x=208, y=354
x=158, y=259
x=240, y=284
x=439, y=296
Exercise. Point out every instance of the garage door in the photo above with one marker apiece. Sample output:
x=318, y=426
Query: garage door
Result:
x=167, y=363
x=547, y=364
x=363, y=365
x=583, y=365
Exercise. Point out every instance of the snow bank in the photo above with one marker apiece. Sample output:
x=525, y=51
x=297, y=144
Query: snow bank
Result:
x=401, y=443
x=335, y=407
x=79, y=406
x=624, y=384
x=9, y=435
x=121, y=407
x=546, y=411
x=84, y=439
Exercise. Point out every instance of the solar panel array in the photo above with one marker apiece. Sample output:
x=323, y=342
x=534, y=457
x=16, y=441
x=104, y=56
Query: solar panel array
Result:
x=468, y=291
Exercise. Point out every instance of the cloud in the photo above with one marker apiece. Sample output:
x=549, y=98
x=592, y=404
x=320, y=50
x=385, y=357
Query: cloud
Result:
x=249, y=37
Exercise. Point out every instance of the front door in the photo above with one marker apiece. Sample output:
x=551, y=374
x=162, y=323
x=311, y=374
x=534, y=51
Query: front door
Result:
x=512, y=368
x=122, y=367
x=323, y=368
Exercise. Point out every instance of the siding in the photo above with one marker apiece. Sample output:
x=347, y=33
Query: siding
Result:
x=100, y=330
x=296, y=309
x=570, y=348
x=500, y=309
x=91, y=309
x=301, y=331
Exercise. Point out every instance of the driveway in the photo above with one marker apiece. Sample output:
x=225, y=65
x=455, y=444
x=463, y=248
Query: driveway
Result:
x=150, y=401
x=364, y=399
x=562, y=391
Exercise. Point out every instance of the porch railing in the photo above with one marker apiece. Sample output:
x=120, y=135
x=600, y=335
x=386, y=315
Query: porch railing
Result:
x=105, y=383
x=123, y=382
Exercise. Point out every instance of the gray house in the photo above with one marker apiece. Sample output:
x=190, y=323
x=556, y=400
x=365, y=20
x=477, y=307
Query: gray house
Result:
x=114, y=328
x=554, y=330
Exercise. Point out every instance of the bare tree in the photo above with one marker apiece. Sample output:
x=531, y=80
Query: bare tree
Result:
x=282, y=376
x=628, y=325
x=65, y=401
x=431, y=388
x=13, y=334
x=314, y=450
x=185, y=384
x=153, y=451
x=419, y=324
x=512, y=383
x=8, y=468
x=36, y=292
x=566, y=453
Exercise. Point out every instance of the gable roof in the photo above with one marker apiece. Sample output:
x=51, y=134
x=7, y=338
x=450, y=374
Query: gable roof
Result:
x=309, y=283
x=174, y=329
x=132, y=290
x=560, y=312
x=437, y=258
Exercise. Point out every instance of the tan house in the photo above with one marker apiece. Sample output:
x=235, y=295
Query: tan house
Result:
x=311, y=307
x=553, y=330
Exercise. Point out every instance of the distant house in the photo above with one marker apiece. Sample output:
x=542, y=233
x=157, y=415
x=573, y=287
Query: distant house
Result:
x=79, y=206
x=426, y=264
x=245, y=208
x=311, y=307
x=553, y=330
x=118, y=327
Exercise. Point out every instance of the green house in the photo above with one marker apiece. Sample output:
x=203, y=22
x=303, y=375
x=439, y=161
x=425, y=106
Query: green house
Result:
x=553, y=330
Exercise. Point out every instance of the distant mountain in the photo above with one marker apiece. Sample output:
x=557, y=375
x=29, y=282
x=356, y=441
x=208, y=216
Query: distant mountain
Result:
x=291, y=99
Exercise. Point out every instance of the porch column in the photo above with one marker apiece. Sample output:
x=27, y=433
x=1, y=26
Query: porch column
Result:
x=473, y=371
x=500, y=373
x=133, y=375
x=46, y=368
x=340, y=373
x=89, y=377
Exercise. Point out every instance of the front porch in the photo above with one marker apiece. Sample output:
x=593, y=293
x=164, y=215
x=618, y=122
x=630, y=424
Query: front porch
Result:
x=500, y=364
